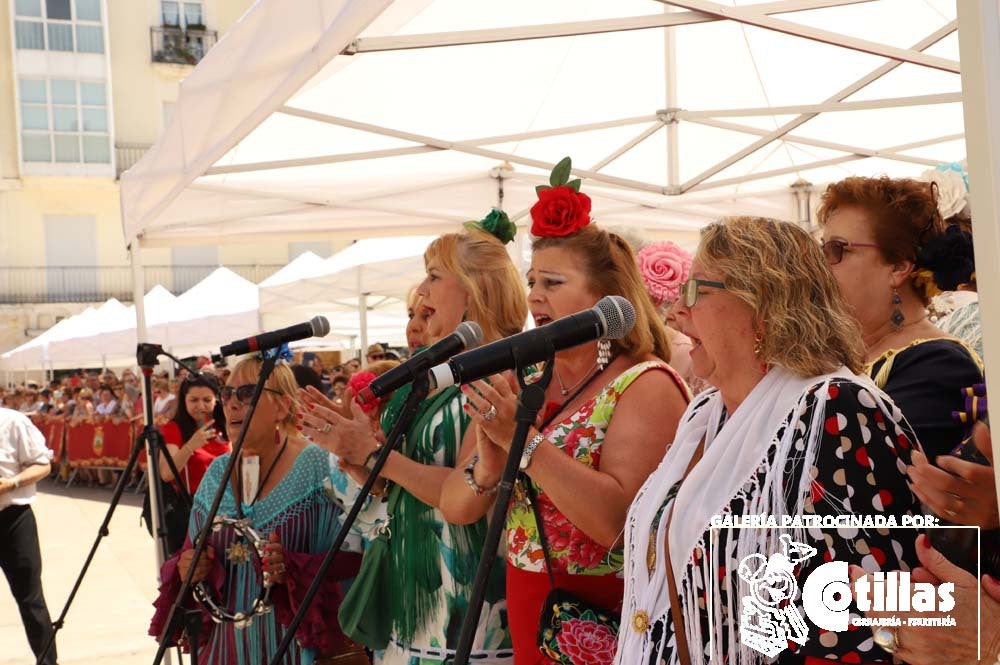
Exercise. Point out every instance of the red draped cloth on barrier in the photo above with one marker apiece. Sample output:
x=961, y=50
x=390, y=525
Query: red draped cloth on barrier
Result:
x=104, y=444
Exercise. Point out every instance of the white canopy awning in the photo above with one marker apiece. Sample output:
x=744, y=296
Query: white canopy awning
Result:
x=371, y=117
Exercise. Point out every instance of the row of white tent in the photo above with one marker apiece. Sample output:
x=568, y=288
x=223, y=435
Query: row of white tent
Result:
x=361, y=290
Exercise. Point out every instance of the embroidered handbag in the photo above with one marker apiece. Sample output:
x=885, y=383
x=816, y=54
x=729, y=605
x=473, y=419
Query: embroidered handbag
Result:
x=572, y=631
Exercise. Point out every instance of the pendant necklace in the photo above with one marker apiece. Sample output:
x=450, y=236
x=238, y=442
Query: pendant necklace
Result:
x=562, y=387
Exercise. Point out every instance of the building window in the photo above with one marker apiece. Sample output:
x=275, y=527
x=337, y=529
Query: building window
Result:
x=64, y=121
x=182, y=14
x=59, y=25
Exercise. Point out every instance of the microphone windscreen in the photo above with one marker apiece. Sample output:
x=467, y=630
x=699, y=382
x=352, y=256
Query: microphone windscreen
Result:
x=471, y=334
x=320, y=326
x=619, y=316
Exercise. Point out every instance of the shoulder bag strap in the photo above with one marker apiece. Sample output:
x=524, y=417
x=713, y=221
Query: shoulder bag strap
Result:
x=529, y=486
x=683, y=653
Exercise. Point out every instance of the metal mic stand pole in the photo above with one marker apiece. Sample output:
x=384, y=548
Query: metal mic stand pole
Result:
x=529, y=402
x=418, y=393
x=201, y=542
x=146, y=355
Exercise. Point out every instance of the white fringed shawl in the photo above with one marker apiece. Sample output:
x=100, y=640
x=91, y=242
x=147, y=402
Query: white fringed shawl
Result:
x=728, y=468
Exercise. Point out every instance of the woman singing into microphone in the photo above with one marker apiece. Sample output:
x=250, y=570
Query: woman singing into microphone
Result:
x=612, y=409
x=412, y=592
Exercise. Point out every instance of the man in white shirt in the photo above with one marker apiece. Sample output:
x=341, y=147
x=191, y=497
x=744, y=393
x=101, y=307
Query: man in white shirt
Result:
x=24, y=460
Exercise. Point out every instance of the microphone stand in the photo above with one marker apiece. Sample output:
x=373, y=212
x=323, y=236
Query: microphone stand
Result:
x=201, y=542
x=418, y=393
x=146, y=359
x=529, y=402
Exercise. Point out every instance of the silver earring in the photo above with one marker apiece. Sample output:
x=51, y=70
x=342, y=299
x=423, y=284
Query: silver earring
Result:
x=603, y=354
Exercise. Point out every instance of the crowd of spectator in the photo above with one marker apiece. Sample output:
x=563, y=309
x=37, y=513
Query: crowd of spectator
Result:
x=91, y=396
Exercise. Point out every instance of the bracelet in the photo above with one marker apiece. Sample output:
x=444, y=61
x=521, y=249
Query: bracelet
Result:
x=379, y=494
x=530, y=450
x=471, y=480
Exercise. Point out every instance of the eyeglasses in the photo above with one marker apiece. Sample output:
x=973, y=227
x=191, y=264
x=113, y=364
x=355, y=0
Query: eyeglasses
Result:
x=377, y=356
x=833, y=250
x=689, y=289
x=244, y=394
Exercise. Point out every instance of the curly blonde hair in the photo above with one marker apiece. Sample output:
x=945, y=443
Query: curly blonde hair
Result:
x=778, y=269
x=282, y=380
x=497, y=298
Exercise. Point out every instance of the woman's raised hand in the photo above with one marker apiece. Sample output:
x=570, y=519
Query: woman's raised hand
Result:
x=202, y=436
x=492, y=404
x=351, y=439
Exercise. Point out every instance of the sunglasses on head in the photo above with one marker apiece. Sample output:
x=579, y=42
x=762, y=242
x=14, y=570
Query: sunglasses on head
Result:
x=244, y=393
x=689, y=289
x=833, y=250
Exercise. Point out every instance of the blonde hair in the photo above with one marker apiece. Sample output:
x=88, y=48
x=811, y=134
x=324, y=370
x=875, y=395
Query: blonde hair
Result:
x=778, y=269
x=381, y=367
x=497, y=299
x=413, y=298
x=282, y=380
x=610, y=266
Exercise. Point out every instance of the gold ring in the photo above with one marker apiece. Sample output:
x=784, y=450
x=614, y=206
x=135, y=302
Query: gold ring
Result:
x=887, y=639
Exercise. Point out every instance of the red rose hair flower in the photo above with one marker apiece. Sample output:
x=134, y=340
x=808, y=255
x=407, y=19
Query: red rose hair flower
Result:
x=561, y=209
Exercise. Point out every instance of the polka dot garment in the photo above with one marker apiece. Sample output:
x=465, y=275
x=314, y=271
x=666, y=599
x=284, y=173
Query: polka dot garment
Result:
x=860, y=468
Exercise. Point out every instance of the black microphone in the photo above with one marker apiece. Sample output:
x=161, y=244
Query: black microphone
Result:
x=611, y=318
x=318, y=326
x=468, y=335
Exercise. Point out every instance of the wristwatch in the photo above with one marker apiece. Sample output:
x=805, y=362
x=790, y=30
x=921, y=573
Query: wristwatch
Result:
x=529, y=450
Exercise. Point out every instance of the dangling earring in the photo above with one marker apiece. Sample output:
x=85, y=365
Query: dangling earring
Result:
x=897, y=317
x=758, y=343
x=603, y=354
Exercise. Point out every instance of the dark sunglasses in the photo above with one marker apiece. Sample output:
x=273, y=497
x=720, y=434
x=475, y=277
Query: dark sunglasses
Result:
x=689, y=289
x=833, y=250
x=244, y=394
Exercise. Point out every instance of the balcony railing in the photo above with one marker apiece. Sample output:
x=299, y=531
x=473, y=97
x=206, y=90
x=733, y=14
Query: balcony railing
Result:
x=90, y=284
x=127, y=154
x=181, y=46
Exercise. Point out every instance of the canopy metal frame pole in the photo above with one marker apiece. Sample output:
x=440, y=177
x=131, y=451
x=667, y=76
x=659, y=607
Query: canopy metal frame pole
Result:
x=377, y=44
x=752, y=17
x=838, y=96
x=979, y=46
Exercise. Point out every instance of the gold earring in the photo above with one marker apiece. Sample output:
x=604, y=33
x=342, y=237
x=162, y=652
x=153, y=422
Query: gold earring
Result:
x=758, y=341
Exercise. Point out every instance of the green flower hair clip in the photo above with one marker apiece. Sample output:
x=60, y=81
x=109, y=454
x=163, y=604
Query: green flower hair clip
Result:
x=497, y=224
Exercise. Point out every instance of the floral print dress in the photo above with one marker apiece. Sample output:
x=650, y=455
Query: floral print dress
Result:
x=580, y=565
x=860, y=468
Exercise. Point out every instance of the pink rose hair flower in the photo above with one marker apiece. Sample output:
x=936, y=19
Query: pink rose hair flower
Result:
x=664, y=267
x=359, y=382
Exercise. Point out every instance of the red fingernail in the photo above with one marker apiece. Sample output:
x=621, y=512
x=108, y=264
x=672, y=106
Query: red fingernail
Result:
x=299, y=427
x=311, y=406
x=300, y=416
x=926, y=541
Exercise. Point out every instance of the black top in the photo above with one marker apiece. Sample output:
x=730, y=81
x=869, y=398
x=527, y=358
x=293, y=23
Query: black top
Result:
x=926, y=383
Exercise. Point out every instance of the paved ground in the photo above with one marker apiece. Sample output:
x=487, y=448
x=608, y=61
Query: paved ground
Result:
x=108, y=619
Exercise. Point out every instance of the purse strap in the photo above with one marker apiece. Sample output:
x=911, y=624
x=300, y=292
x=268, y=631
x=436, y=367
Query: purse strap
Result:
x=683, y=653
x=529, y=487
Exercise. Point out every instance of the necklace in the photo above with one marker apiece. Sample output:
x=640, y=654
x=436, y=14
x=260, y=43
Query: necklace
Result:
x=562, y=387
x=267, y=477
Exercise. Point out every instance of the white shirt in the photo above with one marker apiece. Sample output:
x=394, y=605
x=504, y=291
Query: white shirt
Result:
x=21, y=445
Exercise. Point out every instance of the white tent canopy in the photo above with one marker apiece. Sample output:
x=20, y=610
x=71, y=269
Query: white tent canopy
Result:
x=103, y=336
x=378, y=117
x=361, y=289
